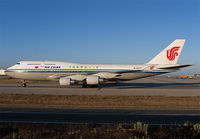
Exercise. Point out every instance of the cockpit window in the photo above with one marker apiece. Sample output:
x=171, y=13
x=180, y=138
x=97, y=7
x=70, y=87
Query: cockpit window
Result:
x=18, y=63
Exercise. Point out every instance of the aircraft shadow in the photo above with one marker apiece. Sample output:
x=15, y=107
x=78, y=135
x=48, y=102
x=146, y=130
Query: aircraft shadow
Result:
x=150, y=85
x=121, y=85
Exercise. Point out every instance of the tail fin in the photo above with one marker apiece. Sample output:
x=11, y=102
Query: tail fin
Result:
x=170, y=54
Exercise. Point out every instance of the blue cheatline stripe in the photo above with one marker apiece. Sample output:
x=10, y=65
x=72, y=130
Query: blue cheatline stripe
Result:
x=73, y=71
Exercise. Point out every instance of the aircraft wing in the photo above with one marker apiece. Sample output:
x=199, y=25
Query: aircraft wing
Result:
x=175, y=67
x=108, y=74
x=57, y=76
x=126, y=71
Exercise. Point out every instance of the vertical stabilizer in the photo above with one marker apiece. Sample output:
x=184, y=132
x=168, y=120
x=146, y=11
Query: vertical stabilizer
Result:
x=170, y=54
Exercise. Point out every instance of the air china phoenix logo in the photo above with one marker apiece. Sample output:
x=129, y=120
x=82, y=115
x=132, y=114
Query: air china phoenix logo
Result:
x=172, y=53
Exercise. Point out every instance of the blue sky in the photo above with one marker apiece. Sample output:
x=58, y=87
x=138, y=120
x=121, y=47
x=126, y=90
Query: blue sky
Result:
x=98, y=31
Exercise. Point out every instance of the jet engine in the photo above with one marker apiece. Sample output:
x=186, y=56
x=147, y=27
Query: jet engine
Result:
x=66, y=81
x=93, y=80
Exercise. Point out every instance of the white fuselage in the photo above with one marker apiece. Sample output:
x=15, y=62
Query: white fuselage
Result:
x=47, y=70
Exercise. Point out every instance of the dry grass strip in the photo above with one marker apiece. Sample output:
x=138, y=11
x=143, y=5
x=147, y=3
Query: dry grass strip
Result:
x=76, y=101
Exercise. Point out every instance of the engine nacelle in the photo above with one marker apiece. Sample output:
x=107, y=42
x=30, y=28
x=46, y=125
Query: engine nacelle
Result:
x=66, y=81
x=93, y=80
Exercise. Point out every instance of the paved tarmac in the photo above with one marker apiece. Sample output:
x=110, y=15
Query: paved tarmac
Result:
x=158, y=86
x=99, y=116
x=143, y=87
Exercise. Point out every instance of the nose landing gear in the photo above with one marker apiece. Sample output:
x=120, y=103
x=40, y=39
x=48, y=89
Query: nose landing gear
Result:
x=23, y=84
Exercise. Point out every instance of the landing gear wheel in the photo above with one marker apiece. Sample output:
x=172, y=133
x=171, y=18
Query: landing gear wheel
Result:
x=24, y=84
x=94, y=86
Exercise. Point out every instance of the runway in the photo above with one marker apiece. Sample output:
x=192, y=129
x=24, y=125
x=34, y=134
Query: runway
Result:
x=77, y=116
x=99, y=116
x=158, y=86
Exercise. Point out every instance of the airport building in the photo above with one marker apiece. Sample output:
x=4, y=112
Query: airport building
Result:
x=197, y=75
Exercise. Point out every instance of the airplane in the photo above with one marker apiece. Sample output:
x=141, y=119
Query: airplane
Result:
x=67, y=73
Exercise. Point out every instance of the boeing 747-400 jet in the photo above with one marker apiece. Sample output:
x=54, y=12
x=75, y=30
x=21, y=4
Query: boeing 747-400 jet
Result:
x=94, y=74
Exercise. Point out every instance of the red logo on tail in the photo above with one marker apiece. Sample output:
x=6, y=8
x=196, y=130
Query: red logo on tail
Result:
x=172, y=53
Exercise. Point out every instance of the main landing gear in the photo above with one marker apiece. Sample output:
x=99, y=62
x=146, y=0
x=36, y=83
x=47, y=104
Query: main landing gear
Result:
x=84, y=84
